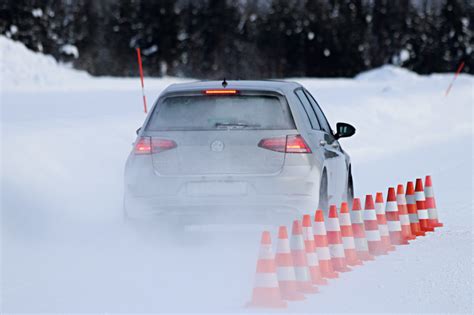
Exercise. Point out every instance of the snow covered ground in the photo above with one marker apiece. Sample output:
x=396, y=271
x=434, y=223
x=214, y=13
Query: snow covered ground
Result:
x=64, y=247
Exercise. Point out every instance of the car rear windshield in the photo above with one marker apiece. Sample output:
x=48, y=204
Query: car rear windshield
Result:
x=201, y=112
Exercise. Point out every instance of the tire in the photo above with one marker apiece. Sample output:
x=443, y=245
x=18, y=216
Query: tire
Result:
x=323, y=193
x=350, y=191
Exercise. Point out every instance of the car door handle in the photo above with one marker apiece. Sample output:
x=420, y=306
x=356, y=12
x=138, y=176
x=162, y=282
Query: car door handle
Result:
x=323, y=143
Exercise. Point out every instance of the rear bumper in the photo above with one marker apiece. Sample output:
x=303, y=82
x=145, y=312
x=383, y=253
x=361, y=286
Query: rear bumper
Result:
x=289, y=193
x=272, y=209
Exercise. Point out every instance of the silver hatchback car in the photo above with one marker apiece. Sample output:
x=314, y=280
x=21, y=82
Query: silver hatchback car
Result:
x=251, y=151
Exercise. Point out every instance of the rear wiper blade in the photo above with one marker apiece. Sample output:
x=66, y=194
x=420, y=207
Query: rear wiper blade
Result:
x=236, y=125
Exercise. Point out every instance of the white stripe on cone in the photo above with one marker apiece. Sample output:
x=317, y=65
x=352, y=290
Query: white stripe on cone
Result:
x=361, y=244
x=429, y=191
x=370, y=215
x=356, y=217
x=383, y=229
x=266, y=280
x=423, y=214
x=284, y=246
x=266, y=252
x=297, y=242
x=344, y=219
x=308, y=233
x=404, y=219
x=286, y=273
x=419, y=196
x=337, y=250
x=302, y=274
x=394, y=226
x=333, y=224
x=323, y=253
x=312, y=259
x=348, y=242
x=319, y=228
x=373, y=236
x=391, y=206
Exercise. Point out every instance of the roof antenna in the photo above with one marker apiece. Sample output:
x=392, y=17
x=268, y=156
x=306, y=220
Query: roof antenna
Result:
x=224, y=83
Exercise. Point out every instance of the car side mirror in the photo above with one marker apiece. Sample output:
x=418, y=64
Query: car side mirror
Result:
x=138, y=130
x=344, y=130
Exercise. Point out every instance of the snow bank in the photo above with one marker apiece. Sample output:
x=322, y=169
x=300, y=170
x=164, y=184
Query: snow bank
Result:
x=24, y=70
x=21, y=67
x=387, y=73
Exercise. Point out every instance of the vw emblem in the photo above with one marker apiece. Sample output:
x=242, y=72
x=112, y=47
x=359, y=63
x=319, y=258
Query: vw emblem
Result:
x=217, y=146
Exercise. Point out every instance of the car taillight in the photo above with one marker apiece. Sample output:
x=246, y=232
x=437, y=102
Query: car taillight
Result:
x=288, y=144
x=148, y=145
x=160, y=145
x=296, y=144
x=274, y=144
x=143, y=145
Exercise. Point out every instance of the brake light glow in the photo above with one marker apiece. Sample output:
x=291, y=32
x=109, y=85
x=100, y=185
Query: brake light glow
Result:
x=296, y=144
x=288, y=144
x=143, y=145
x=148, y=145
x=220, y=92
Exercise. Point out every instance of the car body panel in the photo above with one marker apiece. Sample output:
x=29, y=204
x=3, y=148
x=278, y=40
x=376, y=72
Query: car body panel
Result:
x=241, y=178
x=219, y=152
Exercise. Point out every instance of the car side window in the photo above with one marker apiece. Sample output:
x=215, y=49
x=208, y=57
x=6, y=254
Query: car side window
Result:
x=309, y=111
x=319, y=113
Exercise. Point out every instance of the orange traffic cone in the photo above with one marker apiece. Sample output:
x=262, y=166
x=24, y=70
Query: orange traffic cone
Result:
x=376, y=247
x=430, y=204
x=266, y=292
x=382, y=222
x=348, y=236
x=311, y=254
x=412, y=211
x=298, y=251
x=358, y=229
x=321, y=241
x=393, y=219
x=420, y=206
x=336, y=248
x=285, y=269
x=403, y=214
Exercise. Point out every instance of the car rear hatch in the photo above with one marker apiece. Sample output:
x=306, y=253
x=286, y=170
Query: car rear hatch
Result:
x=220, y=134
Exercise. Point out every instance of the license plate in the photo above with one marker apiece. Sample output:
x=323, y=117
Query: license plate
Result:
x=220, y=188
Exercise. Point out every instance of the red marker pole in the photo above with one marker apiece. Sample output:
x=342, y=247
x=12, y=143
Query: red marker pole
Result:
x=141, y=79
x=454, y=79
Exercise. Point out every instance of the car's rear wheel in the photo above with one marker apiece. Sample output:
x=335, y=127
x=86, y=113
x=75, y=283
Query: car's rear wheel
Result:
x=323, y=193
x=350, y=191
